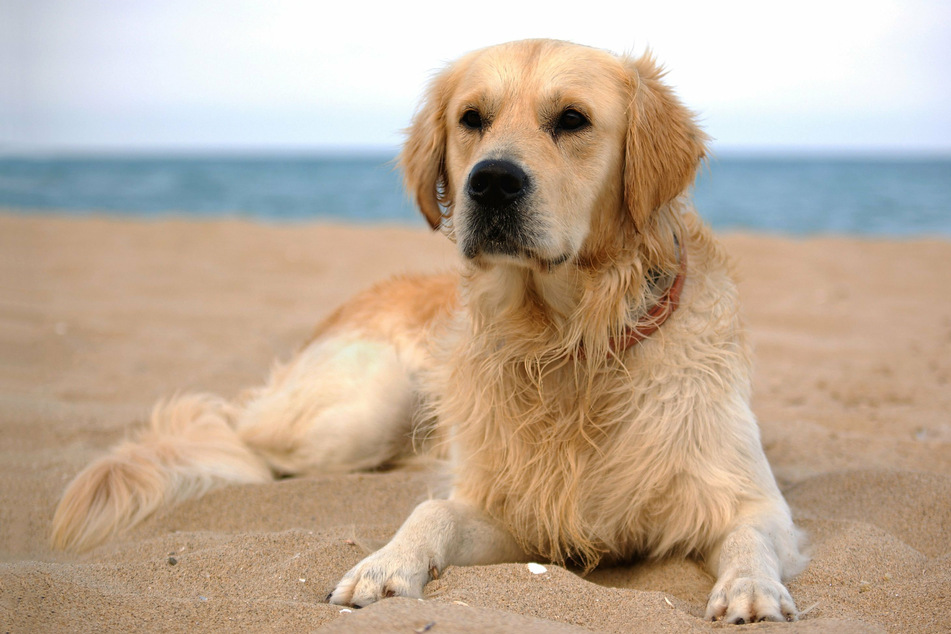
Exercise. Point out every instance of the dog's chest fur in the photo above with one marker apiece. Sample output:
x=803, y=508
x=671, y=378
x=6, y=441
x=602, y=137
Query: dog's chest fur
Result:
x=583, y=461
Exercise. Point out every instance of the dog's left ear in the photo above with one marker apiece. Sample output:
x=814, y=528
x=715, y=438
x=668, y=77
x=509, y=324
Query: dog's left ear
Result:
x=423, y=157
x=664, y=145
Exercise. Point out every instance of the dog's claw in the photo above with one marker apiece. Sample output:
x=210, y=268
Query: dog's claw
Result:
x=750, y=600
x=386, y=573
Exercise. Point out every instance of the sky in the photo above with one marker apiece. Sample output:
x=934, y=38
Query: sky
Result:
x=326, y=75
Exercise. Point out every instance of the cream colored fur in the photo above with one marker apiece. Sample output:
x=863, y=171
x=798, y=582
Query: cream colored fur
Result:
x=563, y=447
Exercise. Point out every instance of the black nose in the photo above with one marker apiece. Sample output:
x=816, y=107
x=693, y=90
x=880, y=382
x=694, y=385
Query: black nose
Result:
x=497, y=183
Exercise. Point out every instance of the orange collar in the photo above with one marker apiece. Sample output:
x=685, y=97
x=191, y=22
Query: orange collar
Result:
x=653, y=319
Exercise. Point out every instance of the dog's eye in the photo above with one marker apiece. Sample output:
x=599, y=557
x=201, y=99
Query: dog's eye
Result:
x=471, y=119
x=571, y=120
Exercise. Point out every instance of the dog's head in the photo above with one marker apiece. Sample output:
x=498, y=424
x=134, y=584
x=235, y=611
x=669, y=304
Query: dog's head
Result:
x=543, y=151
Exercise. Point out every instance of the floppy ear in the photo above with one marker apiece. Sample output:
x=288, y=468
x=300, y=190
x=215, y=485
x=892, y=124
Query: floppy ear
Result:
x=664, y=145
x=424, y=153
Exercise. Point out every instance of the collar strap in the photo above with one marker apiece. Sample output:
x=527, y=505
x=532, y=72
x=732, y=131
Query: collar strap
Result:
x=654, y=318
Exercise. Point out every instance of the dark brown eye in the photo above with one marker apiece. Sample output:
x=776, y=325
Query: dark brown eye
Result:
x=571, y=120
x=471, y=119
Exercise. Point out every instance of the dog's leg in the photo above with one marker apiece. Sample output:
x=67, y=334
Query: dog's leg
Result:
x=438, y=534
x=344, y=403
x=751, y=562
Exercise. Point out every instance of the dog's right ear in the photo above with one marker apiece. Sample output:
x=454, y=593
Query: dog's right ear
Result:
x=423, y=158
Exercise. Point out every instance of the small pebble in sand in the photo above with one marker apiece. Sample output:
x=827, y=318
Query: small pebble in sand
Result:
x=172, y=561
x=537, y=569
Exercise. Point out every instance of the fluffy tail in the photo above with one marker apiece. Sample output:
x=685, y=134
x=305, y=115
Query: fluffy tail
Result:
x=188, y=448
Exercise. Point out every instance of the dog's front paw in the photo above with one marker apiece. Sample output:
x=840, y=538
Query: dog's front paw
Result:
x=385, y=573
x=741, y=600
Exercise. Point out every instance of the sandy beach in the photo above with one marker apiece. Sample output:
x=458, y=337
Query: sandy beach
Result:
x=100, y=317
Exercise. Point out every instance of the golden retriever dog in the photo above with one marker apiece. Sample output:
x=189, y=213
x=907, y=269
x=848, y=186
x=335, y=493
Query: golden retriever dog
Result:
x=586, y=370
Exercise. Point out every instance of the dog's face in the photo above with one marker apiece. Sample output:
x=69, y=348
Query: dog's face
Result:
x=530, y=142
x=538, y=148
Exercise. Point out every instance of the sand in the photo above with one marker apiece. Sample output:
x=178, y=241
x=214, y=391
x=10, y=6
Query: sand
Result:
x=100, y=317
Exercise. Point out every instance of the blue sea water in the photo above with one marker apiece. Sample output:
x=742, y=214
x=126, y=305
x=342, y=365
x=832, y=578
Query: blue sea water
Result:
x=788, y=195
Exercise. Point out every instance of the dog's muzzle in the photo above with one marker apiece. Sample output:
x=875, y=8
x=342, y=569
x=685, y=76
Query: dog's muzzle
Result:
x=498, y=190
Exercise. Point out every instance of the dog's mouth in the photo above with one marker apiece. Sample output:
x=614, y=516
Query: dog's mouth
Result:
x=500, y=248
x=549, y=264
x=495, y=243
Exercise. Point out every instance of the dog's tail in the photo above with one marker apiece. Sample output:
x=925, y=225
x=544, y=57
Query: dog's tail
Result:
x=189, y=447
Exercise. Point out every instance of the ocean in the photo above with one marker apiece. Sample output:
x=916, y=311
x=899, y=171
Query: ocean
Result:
x=875, y=196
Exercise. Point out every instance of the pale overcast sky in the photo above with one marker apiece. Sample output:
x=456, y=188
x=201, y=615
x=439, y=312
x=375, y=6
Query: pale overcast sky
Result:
x=186, y=75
